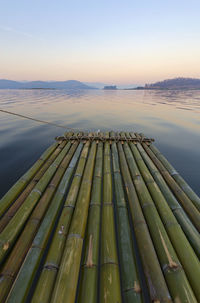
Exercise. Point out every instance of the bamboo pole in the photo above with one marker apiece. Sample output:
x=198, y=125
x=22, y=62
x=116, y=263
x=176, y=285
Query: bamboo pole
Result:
x=186, y=203
x=174, y=274
x=21, y=198
x=48, y=275
x=110, y=290
x=14, y=227
x=175, y=233
x=181, y=182
x=18, y=187
x=187, y=226
x=130, y=280
x=55, y=254
x=67, y=278
x=157, y=287
x=28, y=271
x=18, y=253
x=89, y=275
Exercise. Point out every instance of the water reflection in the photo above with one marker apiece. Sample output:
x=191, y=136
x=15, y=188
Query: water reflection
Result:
x=171, y=117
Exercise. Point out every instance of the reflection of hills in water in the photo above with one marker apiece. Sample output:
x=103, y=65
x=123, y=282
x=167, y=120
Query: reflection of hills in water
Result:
x=41, y=96
x=184, y=100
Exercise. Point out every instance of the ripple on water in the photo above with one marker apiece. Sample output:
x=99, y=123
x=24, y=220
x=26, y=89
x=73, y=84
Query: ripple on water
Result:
x=171, y=117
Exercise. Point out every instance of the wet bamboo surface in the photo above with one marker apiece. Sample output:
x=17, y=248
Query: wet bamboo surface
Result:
x=100, y=218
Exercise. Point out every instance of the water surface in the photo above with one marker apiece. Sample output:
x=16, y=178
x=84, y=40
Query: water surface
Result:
x=171, y=117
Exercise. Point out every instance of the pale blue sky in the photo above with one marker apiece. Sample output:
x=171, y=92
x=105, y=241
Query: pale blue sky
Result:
x=109, y=41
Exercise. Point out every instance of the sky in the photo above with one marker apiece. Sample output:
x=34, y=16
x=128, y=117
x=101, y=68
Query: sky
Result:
x=115, y=42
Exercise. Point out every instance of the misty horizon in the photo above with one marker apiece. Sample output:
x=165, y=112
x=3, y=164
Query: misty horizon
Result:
x=98, y=84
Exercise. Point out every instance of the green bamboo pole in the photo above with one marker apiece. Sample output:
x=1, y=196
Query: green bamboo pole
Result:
x=110, y=290
x=187, y=226
x=175, y=233
x=18, y=253
x=89, y=275
x=181, y=182
x=48, y=275
x=154, y=277
x=14, y=227
x=174, y=274
x=18, y=187
x=21, y=198
x=130, y=281
x=68, y=274
x=26, y=275
x=186, y=203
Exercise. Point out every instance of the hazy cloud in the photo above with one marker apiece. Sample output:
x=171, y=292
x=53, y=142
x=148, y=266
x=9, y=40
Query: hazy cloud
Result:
x=22, y=33
x=12, y=30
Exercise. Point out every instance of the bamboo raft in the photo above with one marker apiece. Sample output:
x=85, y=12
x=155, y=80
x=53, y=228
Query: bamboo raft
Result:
x=100, y=218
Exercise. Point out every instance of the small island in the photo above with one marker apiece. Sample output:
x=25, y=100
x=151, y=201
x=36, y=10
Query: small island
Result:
x=111, y=87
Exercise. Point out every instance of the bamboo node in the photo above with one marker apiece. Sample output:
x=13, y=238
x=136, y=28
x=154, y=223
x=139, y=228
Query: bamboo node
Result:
x=121, y=206
x=147, y=204
x=171, y=223
x=137, y=223
x=172, y=264
x=51, y=185
x=51, y=266
x=173, y=173
x=150, y=181
x=6, y=246
x=177, y=207
x=34, y=219
x=107, y=204
x=37, y=191
x=117, y=171
x=98, y=176
x=61, y=231
x=77, y=175
x=55, y=165
x=62, y=192
x=69, y=205
x=87, y=182
x=137, y=287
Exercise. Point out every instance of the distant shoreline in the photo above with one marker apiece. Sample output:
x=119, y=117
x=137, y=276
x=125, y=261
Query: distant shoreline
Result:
x=181, y=84
x=28, y=88
x=117, y=89
x=171, y=88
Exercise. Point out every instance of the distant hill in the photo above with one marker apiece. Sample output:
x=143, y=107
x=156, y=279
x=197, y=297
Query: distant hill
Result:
x=70, y=84
x=110, y=87
x=176, y=83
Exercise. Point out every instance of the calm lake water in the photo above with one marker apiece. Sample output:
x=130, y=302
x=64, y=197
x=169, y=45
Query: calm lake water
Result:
x=171, y=117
